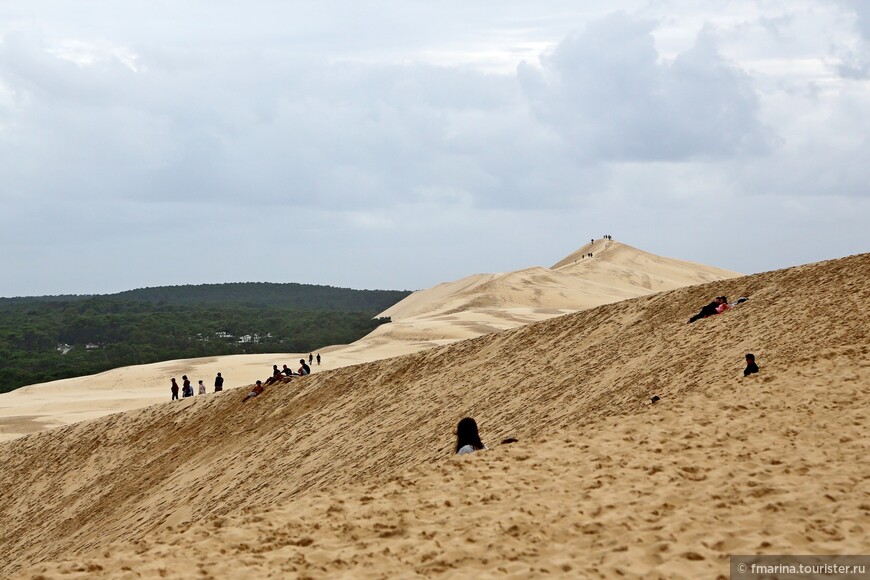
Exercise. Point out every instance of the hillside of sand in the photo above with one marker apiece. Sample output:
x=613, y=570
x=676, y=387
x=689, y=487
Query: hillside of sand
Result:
x=349, y=472
x=449, y=312
x=490, y=302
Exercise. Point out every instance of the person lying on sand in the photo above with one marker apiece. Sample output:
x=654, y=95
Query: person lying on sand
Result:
x=467, y=438
x=708, y=310
x=258, y=389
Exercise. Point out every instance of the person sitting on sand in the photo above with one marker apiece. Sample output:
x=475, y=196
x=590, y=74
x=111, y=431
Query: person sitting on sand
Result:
x=467, y=438
x=708, y=310
x=276, y=371
x=751, y=367
x=201, y=387
x=304, y=369
x=274, y=379
x=258, y=389
x=287, y=372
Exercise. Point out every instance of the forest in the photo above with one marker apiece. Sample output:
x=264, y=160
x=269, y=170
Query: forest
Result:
x=53, y=337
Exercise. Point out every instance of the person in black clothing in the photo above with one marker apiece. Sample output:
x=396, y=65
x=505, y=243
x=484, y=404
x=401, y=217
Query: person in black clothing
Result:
x=218, y=383
x=706, y=311
x=304, y=369
x=186, y=387
x=751, y=367
x=174, y=388
x=318, y=359
x=287, y=371
x=276, y=372
x=310, y=358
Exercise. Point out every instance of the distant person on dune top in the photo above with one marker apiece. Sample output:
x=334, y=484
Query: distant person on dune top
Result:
x=201, y=387
x=467, y=438
x=186, y=387
x=174, y=389
x=751, y=367
x=310, y=358
x=218, y=383
x=318, y=359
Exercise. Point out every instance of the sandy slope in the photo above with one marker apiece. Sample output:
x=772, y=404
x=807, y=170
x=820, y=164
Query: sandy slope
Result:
x=349, y=471
x=446, y=313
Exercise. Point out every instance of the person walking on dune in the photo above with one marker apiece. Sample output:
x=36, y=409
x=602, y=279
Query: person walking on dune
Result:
x=174, y=389
x=310, y=358
x=318, y=359
x=218, y=383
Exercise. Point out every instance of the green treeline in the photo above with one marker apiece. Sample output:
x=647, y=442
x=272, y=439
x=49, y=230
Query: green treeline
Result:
x=48, y=338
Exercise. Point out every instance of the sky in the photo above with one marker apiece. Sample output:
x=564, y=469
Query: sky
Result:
x=397, y=144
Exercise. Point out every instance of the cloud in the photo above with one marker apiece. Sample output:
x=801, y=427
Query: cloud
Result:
x=402, y=144
x=248, y=128
x=612, y=97
x=855, y=56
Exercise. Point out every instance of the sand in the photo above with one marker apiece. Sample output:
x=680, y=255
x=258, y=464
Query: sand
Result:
x=349, y=473
x=441, y=315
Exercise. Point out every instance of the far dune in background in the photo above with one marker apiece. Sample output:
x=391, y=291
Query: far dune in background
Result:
x=449, y=312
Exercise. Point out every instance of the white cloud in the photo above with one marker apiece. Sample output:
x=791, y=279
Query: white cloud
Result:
x=195, y=142
x=611, y=96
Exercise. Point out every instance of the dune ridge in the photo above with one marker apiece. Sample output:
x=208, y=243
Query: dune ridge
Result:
x=573, y=389
x=446, y=313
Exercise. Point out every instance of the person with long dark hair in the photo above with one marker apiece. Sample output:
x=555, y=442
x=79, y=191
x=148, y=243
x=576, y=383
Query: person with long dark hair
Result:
x=467, y=438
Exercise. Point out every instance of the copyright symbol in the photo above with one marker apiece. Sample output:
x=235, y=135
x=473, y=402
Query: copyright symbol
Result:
x=741, y=568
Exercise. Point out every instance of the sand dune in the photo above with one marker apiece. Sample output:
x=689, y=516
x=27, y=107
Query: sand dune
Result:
x=447, y=313
x=349, y=473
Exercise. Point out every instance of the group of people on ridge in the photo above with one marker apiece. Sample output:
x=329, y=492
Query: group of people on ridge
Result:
x=187, y=388
x=281, y=375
